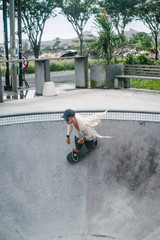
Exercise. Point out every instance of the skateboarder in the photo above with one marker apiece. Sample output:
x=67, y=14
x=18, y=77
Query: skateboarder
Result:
x=84, y=130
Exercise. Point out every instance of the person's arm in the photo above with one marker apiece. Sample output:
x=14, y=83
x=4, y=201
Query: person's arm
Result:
x=81, y=140
x=69, y=131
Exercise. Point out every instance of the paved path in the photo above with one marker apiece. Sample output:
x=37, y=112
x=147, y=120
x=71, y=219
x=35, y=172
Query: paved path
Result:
x=87, y=99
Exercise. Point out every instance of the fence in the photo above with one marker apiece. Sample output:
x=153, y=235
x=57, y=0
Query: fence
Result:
x=42, y=72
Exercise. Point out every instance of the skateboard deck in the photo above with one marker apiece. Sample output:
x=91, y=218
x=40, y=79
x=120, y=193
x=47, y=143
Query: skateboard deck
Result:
x=81, y=155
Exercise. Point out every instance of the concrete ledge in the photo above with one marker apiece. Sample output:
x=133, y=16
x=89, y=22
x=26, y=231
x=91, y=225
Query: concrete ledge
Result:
x=81, y=72
x=103, y=75
x=49, y=89
x=42, y=75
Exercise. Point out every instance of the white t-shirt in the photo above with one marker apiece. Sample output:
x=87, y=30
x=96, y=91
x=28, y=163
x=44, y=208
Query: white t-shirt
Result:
x=80, y=134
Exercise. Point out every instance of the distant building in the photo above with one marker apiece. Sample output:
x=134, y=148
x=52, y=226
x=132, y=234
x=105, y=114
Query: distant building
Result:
x=66, y=43
x=88, y=37
x=45, y=44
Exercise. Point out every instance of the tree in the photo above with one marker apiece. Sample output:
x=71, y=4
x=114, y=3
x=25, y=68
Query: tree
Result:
x=121, y=13
x=117, y=41
x=105, y=41
x=141, y=41
x=34, y=15
x=1, y=5
x=149, y=14
x=77, y=13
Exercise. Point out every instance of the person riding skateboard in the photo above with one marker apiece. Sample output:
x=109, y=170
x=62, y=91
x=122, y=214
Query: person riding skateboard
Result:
x=84, y=130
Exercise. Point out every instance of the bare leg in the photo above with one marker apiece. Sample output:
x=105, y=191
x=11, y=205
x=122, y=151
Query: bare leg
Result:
x=75, y=150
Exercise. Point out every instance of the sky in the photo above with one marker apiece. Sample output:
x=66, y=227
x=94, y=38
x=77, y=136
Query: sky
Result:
x=60, y=27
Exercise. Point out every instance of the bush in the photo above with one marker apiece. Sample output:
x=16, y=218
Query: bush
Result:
x=157, y=62
x=62, y=65
x=30, y=69
x=96, y=62
x=129, y=59
x=141, y=59
x=104, y=42
x=101, y=62
x=145, y=84
x=2, y=71
x=141, y=41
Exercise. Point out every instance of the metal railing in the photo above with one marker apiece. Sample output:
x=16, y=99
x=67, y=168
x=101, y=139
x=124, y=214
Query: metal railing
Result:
x=56, y=116
x=42, y=72
x=38, y=59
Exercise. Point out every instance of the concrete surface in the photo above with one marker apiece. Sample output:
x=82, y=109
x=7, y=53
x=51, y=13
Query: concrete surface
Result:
x=87, y=99
x=113, y=193
x=81, y=72
x=104, y=75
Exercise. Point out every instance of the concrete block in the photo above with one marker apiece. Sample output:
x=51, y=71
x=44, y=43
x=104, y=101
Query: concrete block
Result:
x=117, y=83
x=127, y=83
x=98, y=75
x=47, y=70
x=81, y=72
x=111, y=71
x=49, y=89
x=103, y=75
x=42, y=75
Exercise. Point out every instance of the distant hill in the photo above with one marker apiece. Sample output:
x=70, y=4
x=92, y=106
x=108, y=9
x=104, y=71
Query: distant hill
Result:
x=130, y=33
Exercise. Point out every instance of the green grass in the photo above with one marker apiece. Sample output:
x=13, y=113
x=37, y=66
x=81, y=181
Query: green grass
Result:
x=30, y=69
x=62, y=65
x=145, y=84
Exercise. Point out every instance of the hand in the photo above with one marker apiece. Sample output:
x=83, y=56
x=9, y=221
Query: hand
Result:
x=68, y=140
x=80, y=141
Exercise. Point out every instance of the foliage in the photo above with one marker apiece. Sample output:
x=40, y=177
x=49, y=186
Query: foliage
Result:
x=117, y=41
x=101, y=61
x=34, y=15
x=129, y=59
x=157, y=62
x=2, y=71
x=1, y=5
x=141, y=41
x=96, y=62
x=62, y=65
x=30, y=69
x=149, y=14
x=1, y=49
x=78, y=12
x=55, y=66
x=141, y=59
x=145, y=84
x=105, y=41
x=121, y=12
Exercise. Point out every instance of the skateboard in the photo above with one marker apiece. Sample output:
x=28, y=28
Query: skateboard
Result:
x=81, y=154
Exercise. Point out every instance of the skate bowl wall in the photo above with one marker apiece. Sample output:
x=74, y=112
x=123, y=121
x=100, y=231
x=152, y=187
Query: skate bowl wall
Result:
x=113, y=193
